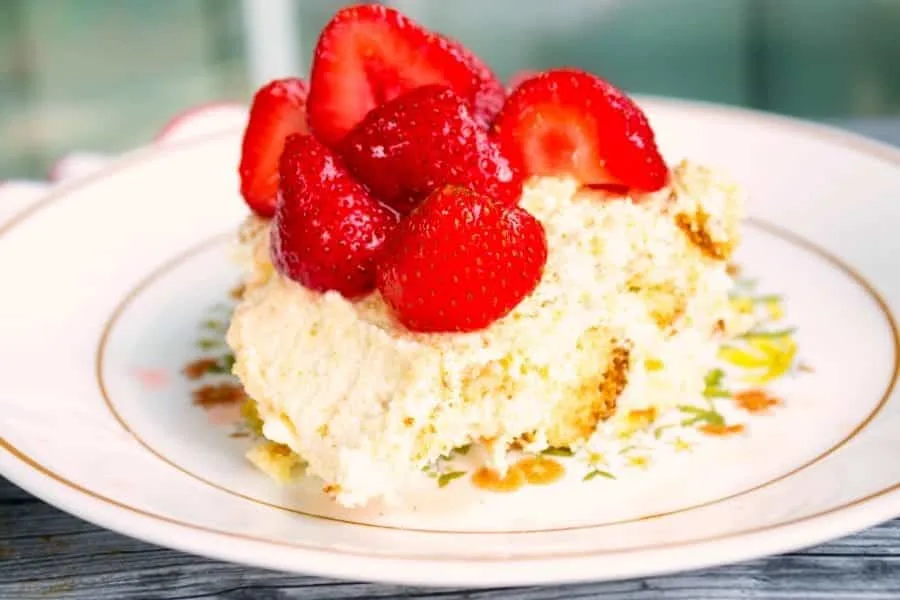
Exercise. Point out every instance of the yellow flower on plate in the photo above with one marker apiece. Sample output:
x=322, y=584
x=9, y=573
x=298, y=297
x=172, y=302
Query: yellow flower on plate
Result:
x=774, y=309
x=596, y=458
x=641, y=462
x=742, y=304
x=681, y=446
x=653, y=364
x=766, y=357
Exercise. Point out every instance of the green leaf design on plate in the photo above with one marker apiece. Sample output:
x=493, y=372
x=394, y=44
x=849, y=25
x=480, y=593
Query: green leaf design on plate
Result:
x=213, y=325
x=223, y=365
x=462, y=450
x=714, y=385
x=445, y=478
x=778, y=333
x=207, y=344
x=708, y=416
x=563, y=452
x=598, y=473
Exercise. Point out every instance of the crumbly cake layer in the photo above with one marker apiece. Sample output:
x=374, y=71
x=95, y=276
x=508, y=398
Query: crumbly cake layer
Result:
x=629, y=314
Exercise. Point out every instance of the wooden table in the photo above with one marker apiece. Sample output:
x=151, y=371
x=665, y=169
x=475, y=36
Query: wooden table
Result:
x=47, y=554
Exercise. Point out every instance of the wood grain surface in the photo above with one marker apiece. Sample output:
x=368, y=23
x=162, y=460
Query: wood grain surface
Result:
x=47, y=554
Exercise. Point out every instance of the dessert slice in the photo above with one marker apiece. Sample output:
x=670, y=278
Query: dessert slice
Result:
x=428, y=282
x=628, y=315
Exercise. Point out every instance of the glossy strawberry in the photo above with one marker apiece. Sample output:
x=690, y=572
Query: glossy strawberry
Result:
x=490, y=95
x=423, y=140
x=328, y=232
x=520, y=77
x=369, y=54
x=461, y=261
x=568, y=122
x=277, y=111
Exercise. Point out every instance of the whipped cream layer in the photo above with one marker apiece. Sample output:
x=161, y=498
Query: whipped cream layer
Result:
x=629, y=314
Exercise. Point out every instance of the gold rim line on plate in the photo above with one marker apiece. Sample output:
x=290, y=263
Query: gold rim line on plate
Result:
x=763, y=226
x=418, y=557
x=492, y=556
x=837, y=137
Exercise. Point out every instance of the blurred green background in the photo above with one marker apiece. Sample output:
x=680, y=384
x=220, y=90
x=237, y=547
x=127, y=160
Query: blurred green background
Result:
x=105, y=75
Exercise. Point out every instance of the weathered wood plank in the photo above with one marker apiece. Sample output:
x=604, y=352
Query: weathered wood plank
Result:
x=45, y=553
x=35, y=519
x=10, y=494
x=791, y=577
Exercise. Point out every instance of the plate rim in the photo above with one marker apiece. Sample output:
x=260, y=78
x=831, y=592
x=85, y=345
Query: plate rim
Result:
x=106, y=512
x=166, y=532
x=179, y=258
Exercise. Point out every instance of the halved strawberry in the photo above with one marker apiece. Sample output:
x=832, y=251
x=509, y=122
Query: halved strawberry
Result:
x=328, y=232
x=460, y=262
x=519, y=77
x=369, y=54
x=278, y=110
x=568, y=122
x=420, y=141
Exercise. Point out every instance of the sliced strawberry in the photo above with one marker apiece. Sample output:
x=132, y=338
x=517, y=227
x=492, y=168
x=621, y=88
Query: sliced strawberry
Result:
x=278, y=110
x=569, y=122
x=520, y=77
x=460, y=262
x=369, y=54
x=423, y=140
x=328, y=232
x=490, y=96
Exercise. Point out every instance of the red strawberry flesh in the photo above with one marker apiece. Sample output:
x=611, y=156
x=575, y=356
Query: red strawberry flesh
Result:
x=568, y=122
x=460, y=262
x=328, y=232
x=278, y=110
x=369, y=54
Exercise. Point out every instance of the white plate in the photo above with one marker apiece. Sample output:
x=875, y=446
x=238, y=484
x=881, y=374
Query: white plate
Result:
x=106, y=282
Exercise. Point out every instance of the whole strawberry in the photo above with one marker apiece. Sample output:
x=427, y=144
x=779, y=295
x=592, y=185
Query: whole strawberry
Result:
x=423, y=140
x=277, y=111
x=328, y=231
x=460, y=262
